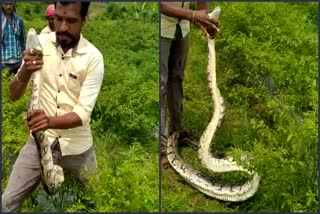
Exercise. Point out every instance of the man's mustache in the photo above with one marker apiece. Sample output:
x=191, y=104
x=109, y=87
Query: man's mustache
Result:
x=64, y=34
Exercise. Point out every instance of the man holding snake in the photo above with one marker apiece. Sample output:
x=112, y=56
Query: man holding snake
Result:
x=71, y=71
x=175, y=27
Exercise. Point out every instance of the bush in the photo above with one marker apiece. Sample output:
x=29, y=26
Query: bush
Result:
x=267, y=73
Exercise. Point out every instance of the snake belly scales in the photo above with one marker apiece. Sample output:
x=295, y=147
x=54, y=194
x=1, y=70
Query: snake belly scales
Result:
x=51, y=173
x=195, y=178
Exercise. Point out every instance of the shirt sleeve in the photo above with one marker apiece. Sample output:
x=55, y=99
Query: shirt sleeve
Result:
x=23, y=36
x=90, y=88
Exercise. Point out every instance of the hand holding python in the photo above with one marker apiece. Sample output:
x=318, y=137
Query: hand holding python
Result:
x=32, y=60
x=208, y=24
x=38, y=120
x=32, y=57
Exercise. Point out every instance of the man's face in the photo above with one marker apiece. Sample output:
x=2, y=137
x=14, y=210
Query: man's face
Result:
x=7, y=8
x=68, y=23
x=50, y=20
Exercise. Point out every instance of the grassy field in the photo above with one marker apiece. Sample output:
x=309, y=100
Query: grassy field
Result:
x=267, y=71
x=124, y=120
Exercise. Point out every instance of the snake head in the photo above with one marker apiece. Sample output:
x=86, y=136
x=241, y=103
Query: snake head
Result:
x=214, y=16
x=33, y=42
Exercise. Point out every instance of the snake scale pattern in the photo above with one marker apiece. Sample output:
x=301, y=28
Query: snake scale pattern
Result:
x=51, y=173
x=194, y=177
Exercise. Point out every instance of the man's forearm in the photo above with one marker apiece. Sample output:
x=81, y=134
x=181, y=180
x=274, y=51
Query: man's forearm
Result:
x=67, y=121
x=19, y=84
x=203, y=6
x=177, y=12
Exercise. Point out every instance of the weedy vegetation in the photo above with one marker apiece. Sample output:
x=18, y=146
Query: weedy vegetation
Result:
x=267, y=72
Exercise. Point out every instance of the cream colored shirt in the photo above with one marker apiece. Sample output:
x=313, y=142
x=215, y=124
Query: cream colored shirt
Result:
x=168, y=24
x=70, y=82
x=46, y=30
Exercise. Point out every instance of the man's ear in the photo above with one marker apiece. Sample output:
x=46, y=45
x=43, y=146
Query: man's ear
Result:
x=84, y=20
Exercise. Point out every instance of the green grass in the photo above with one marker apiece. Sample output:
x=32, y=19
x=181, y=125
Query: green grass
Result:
x=124, y=120
x=267, y=73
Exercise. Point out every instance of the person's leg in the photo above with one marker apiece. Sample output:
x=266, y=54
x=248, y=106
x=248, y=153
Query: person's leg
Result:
x=165, y=47
x=81, y=166
x=177, y=63
x=25, y=177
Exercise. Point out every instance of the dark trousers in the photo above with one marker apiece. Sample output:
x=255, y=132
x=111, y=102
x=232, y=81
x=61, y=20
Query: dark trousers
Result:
x=173, y=60
x=12, y=67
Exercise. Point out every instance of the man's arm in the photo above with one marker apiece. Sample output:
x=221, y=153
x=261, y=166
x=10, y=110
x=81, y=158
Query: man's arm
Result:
x=38, y=120
x=177, y=12
x=31, y=63
x=17, y=88
x=170, y=10
x=199, y=17
x=203, y=6
x=67, y=121
x=90, y=89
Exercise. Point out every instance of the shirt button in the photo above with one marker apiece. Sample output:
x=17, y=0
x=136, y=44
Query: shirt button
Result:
x=58, y=106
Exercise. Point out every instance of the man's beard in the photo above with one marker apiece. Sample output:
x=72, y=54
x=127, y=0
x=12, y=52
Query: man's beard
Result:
x=7, y=12
x=68, y=43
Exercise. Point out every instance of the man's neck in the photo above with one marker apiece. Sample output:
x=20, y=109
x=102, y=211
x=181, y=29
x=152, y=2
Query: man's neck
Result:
x=65, y=48
x=8, y=17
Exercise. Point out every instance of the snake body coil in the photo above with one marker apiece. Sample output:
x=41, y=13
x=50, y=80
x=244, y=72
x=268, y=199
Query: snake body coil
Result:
x=51, y=173
x=194, y=177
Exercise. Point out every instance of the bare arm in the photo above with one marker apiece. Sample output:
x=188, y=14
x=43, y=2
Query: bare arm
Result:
x=199, y=17
x=203, y=6
x=18, y=86
x=67, y=121
x=38, y=120
x=32, y=62
x=177, y=12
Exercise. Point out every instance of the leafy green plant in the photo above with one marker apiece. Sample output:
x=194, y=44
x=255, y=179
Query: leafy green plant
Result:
x=267, y=74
